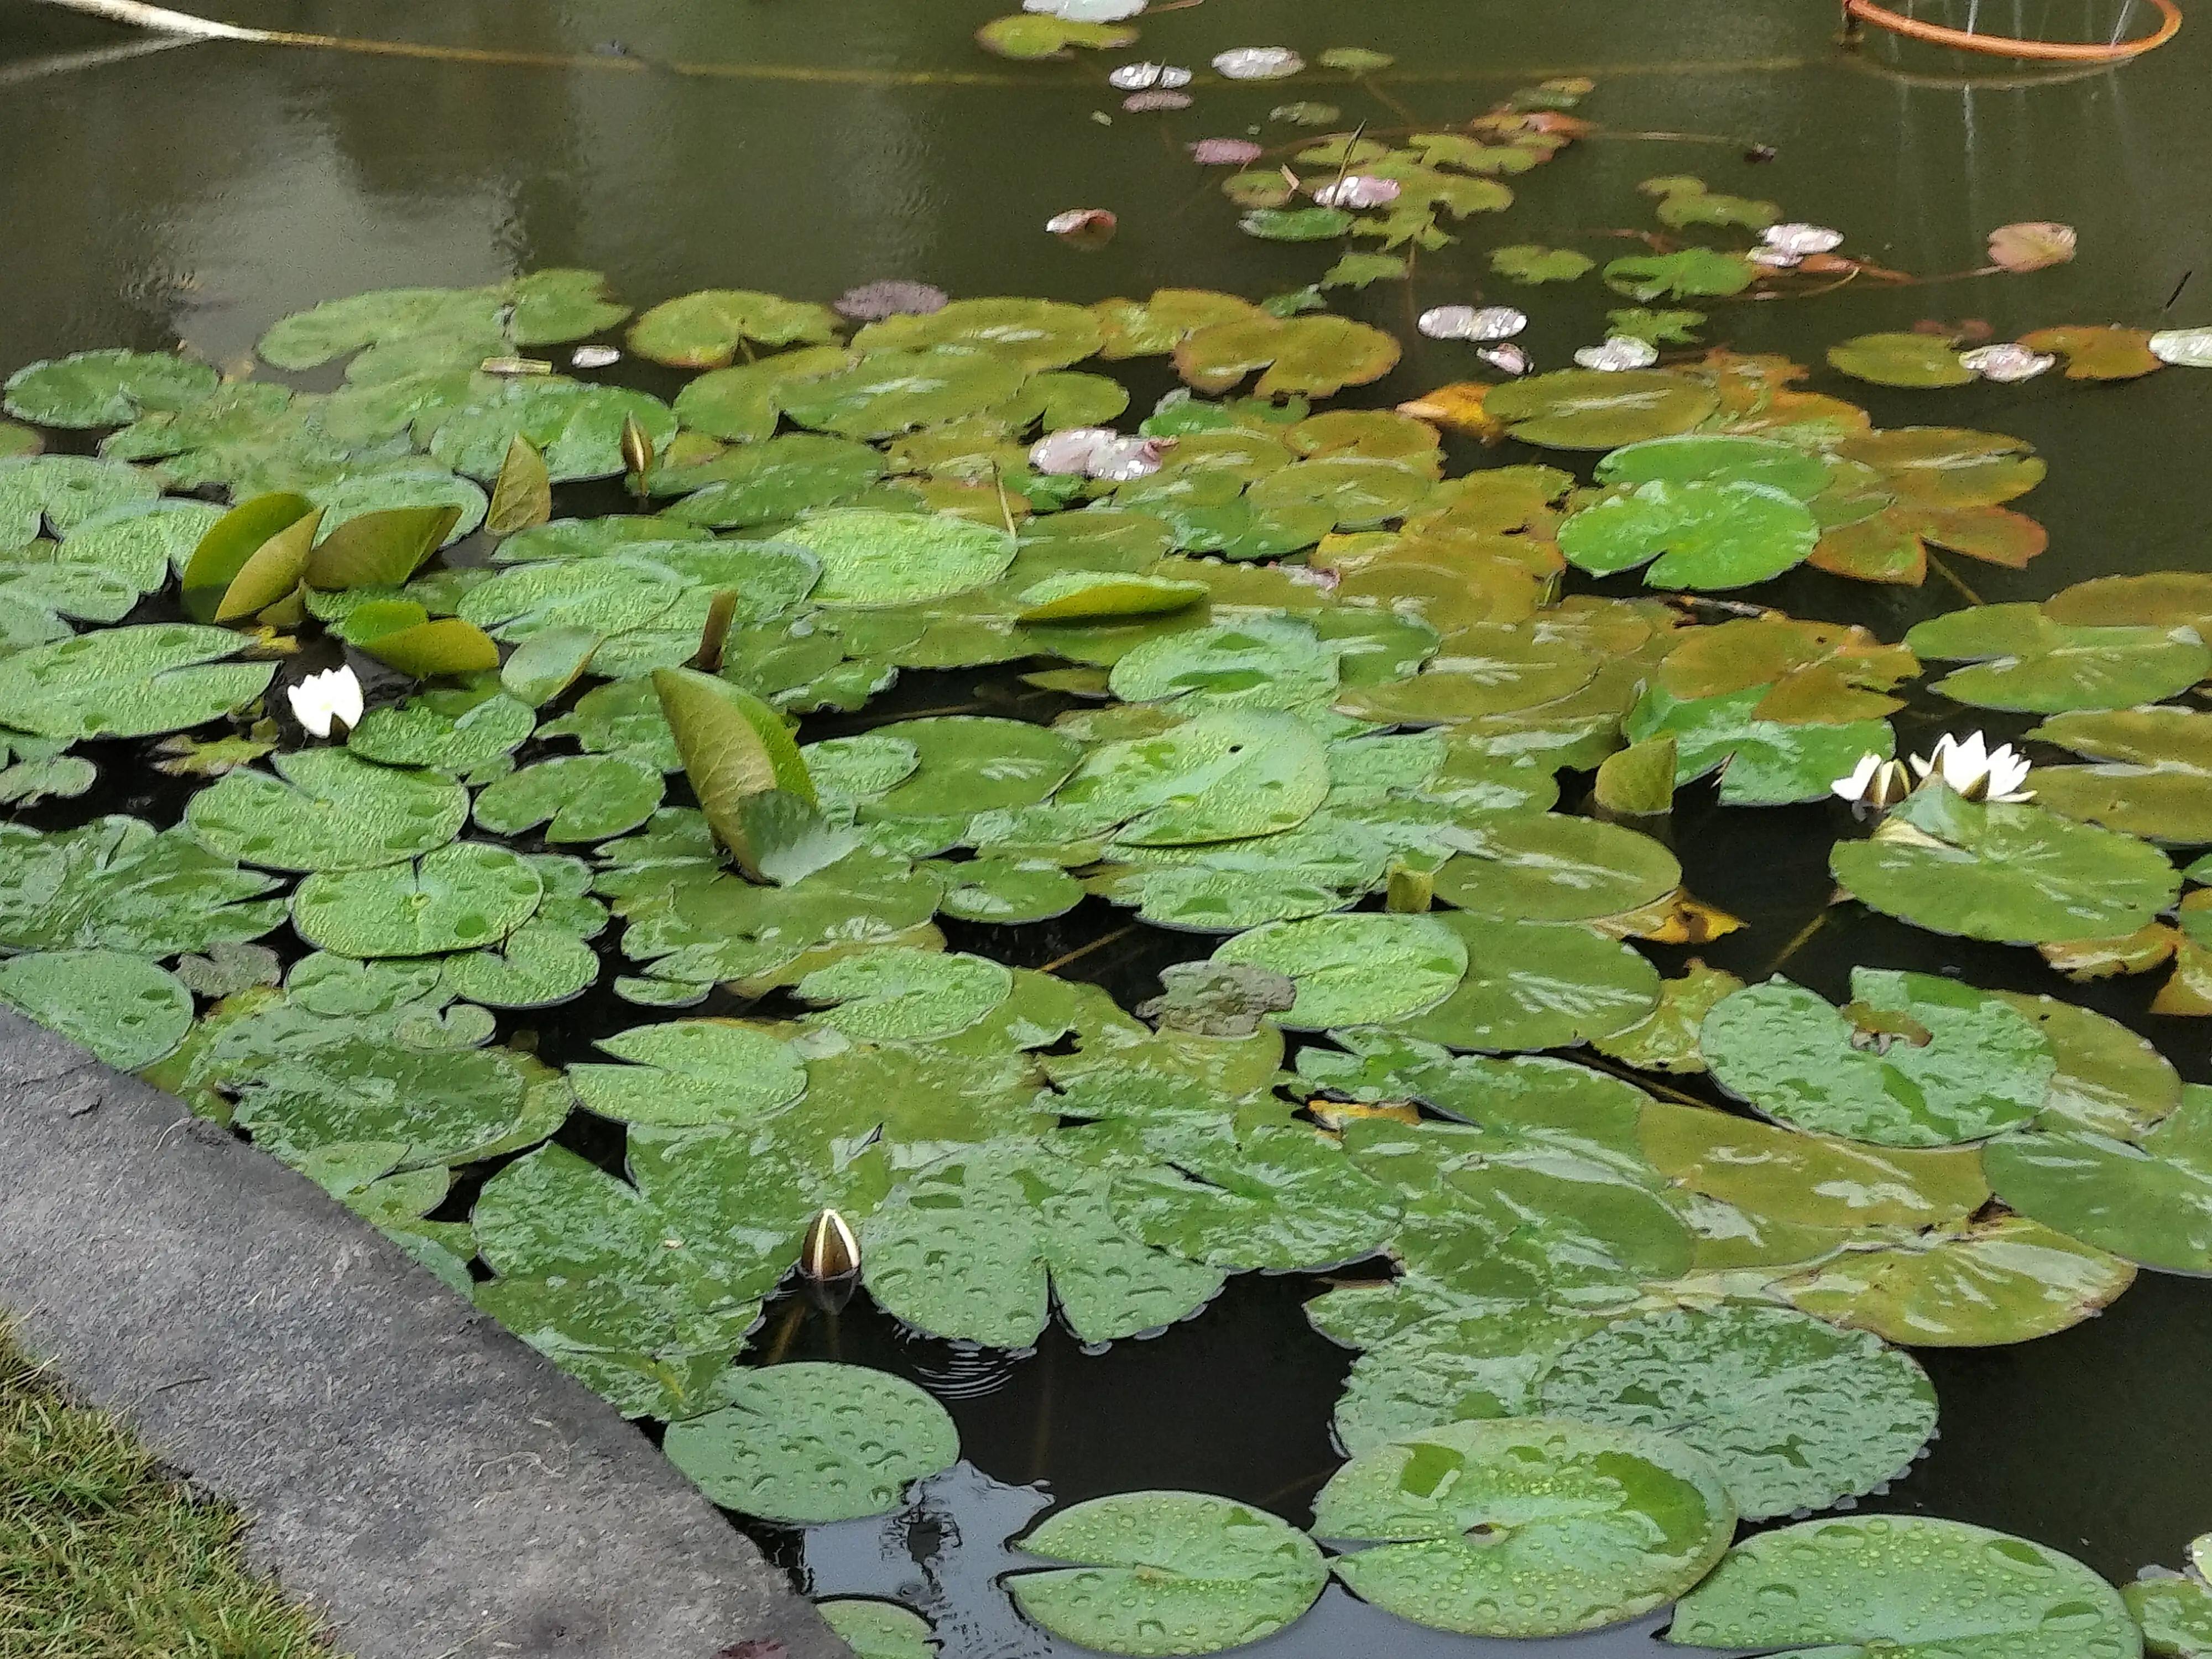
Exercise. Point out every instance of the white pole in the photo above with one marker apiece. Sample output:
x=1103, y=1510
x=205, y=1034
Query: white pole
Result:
x=161, y=20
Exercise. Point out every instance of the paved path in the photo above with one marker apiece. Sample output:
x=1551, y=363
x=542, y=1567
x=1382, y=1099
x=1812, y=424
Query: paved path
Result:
x=432, y=1484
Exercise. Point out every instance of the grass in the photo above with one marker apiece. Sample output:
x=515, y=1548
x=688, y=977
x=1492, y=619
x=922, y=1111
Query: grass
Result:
x=104, y=1555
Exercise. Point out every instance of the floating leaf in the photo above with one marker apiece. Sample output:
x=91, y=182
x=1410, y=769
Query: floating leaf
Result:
x=1587, y=409
x=2151, y=1202
x=460, y=897
x=1668, y=1040
x=878, y=1629
x=1704, y=535
x=1537, y=985
x=1222, y=776
x=704, y=330
x=808, y=1444
x=871, y=559
x=2015, y=874
x=326, y=810
x=1161, y=1573
x=1901, y=360
x=1525, y=1527
x=898, y=993
x=1693, y=273
x=1355, y=970
x=1313, y=355
x=1793, y=1413
x=2098, y=354
x=125, y=1009
x=692, y=1072
x=1906, y=1582
x=576, y=797
x=114, y=883
x=127, y=682
x=1544, y=868
x=105, y=388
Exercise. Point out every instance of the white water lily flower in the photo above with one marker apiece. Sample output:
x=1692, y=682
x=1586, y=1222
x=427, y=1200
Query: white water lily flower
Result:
x=1506, y=359
x=1970, y=768
x=1874, y=782
x=322, y=702
x=1258, y=64
x=1358, y=189
x=1143, y=77
x=1620, y=351
x=1097, y=451
x=2007, y=362
x=1797, y=241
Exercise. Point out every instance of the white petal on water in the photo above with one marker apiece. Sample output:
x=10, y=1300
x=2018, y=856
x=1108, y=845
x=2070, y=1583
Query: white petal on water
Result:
x=1259, y=64
x=1801, y=239
x=2186, y=347
x=2007, y=362
x=1620, y=352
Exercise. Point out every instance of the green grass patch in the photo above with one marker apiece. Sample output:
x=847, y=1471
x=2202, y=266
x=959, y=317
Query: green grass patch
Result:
x=104, y=1555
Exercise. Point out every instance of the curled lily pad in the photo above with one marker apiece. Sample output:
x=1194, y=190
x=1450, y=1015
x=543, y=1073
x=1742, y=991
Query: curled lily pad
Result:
x=125, y=1009
x=1908, y=1582
x=1525, y=1526
x=807, y=1444
x=1794, y=1412
x=1165, y=1573
x=1355, y=970
x=2015, y=874
x=1913, y=1060
x=327, y=810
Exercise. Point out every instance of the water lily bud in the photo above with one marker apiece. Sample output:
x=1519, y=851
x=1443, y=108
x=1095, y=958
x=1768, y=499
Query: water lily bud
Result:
x=832, y=1250
x=637, y=447
x=1084, y=228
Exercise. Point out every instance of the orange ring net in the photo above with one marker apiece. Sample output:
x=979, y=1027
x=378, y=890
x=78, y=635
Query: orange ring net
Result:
x=1999, y=46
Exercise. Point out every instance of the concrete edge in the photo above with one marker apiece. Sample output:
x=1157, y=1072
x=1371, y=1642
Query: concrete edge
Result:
x=433, y=1485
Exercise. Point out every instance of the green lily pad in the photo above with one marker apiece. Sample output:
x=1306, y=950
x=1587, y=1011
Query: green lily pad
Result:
x=2014, y=874
x=1915, y=1061
x=878, y=1630
x=1714, y=459
x=1693, y=273
x=1029, y=35
x=1219, y=776
x=1703, y=534
x=536, y=966
x=2109, y=1081
x=1033, y=334
x=1525, y=1527
x=1316, y=356
x=1902, y=360
x=1794, y=1412
x=1970, y=1285
x=421, y=486
x=687, y=1073
x=116, y=884
x=1280, y=1197
x=107, y=388
x=1480, y=1361
x=452, y=730
x=461, y=897
x=1355, y=970
x=127, y=682
x=1526, y=262
x=2034, y=664
x=738, y=404
x=601, y=596
x=1007, y=891
x=888, y=392
x=809, y=1443
x=898, y=993
x=1592, y=409
x=1165, y=1573
x=973, y=763
x=2175, y=1613
x=2159, y=785
x=327, y=810
x=1546, y=868
x=1761, y=762
x=1083, y=596
x=976, y=1247
x=577, y=428
x=2151, y=1202
x=704, y=330
x=1263, y=662
x=871, y=560
x=798, y=473
x=576, y=797
x=1537, y=985
x=125, y=1009
x=1910, y=1584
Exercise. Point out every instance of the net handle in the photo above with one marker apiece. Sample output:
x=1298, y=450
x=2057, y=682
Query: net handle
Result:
x=1999, y=46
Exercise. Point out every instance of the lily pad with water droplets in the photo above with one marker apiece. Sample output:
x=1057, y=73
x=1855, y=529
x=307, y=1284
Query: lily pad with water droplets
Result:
x=1220, y=776
x=871, y=559
x=2015, y=874
x=1536, y=985
x=125, y=1009
x=1761, y=762
x=1259, y=662
x=115, y=883
x=1356, y=969
x=1794, y=1412
x=461, y=897
x=878, y=1630
x=898, y=993
x=327, y=810
x=1909, y=1584
x=1280, y=1197
x=127, y=682
x=2150, y=1203
x=2175, y=1613
x=806, y=1443
x=1915, y=1061
x=1525, y=1526
x=576, y=428
x=1548, y=867
x=107, y=388
x=687, y=1073
x=536, y=966
x=578, y=798
x=1165, y=1573
x=452, y=730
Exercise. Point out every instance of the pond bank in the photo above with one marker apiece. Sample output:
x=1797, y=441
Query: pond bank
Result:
x=427, y=1482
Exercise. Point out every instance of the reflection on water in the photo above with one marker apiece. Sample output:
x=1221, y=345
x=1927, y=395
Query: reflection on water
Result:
x=197, y=193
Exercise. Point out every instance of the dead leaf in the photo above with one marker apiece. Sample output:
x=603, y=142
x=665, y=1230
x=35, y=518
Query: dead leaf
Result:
x=2033, y=245
x=1458, y=408
x=1677, y=919
x=2082, y=960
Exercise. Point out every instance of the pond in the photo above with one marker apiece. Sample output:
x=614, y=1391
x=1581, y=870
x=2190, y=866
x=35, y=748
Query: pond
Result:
x=191, y=198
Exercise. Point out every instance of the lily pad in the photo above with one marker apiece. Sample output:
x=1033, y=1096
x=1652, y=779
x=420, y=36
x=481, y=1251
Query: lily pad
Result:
x=127, y=682
x=125, y=1009
x=878, y=1630
x=578, y=798
x=871, y=560
x=2014, y=874
x=1537, y=985
x=1793, y=1413
x=1280, y=1197
x=809, y=1443
x=888, y=392
x=2175, y=1613
x=1525, y=1527
x=1703, y=534
x=1590, y=408
x=704, y=330
x=114, y=883
x=1163, y=1573
x=1546, y=868
x=460, y=897
x=107, y=388
x=1216, y=777
x=1262, y=662
x=327, y=810
x=1915, y=1061
x=1912, y=1583
x=2150, y=1203
x=1901, y=360
x=1761, y=762
x=2034, y=664
x=1355, y=970
x=1313, y=355
x=688, y=1072
x=897, y=992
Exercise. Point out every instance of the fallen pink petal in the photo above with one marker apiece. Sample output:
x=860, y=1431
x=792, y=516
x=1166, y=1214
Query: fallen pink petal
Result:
x=1226, y=152
x=1358, y=189
x=871, y=302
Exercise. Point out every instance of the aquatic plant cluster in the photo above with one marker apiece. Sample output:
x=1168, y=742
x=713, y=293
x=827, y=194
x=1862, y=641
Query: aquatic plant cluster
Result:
x=454, y=759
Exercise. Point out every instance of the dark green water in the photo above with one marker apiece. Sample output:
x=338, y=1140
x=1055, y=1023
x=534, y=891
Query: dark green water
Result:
x=198, y=194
